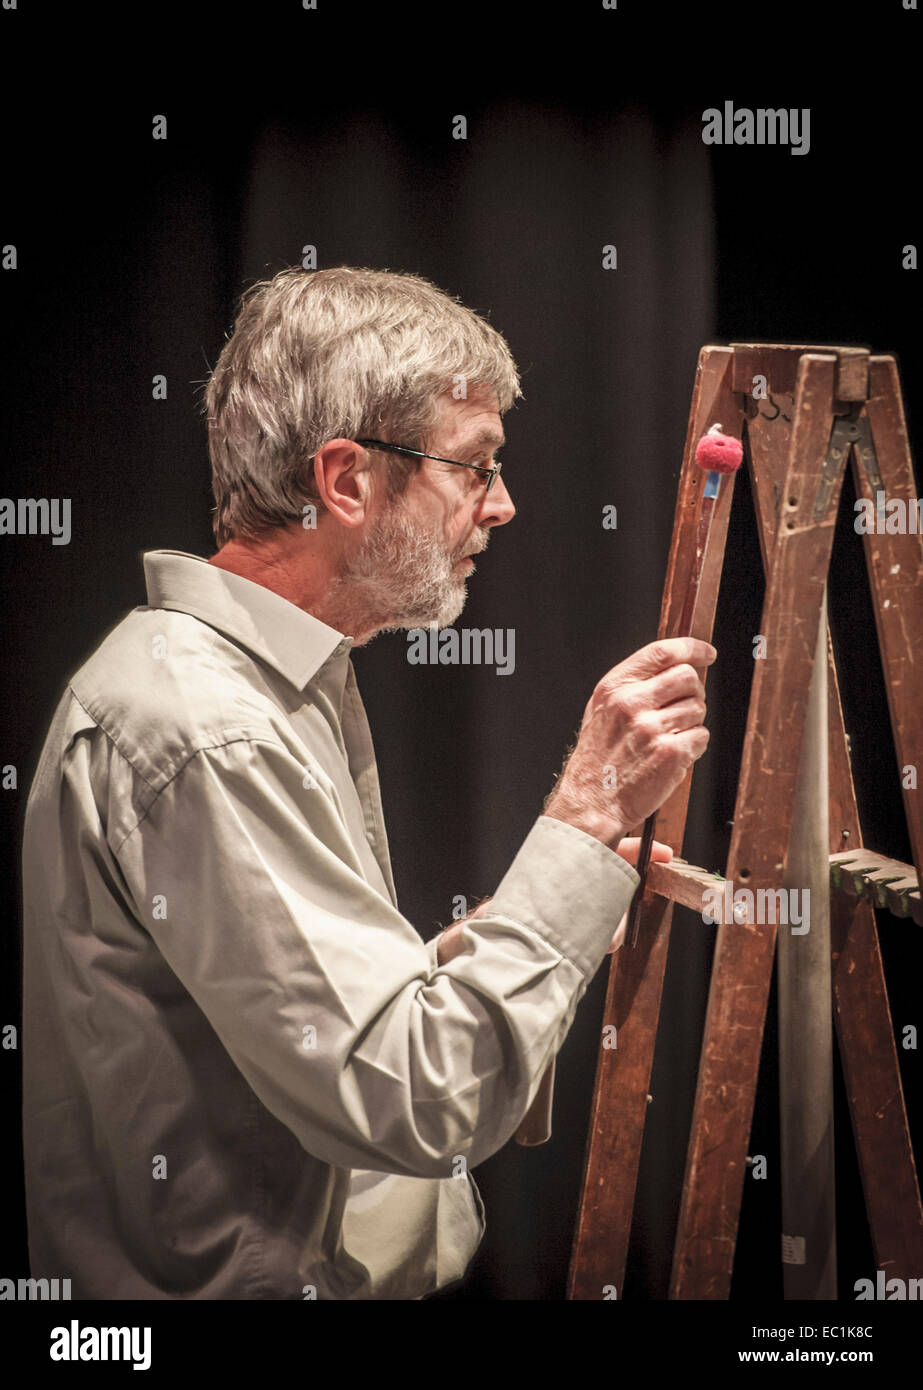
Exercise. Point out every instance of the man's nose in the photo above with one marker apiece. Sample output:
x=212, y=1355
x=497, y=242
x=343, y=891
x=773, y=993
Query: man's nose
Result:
x=497, y=507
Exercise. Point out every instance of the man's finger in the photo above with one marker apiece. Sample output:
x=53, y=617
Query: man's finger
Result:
x=629, y=847
x=619, y=935
x=666, y=651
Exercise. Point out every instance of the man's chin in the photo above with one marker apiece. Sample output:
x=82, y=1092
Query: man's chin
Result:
x=444, y=617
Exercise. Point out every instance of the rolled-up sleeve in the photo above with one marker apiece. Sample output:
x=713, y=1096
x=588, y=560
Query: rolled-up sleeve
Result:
x=324, y=995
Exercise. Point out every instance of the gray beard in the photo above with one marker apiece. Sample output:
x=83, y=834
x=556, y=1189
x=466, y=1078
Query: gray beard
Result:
x=400, y=577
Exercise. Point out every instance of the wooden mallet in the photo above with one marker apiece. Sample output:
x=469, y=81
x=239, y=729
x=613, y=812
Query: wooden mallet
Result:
x=717, y=454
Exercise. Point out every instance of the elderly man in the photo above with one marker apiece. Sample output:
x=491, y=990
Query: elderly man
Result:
x=246, y=1076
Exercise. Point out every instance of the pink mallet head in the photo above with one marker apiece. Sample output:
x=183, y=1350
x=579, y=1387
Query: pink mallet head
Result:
x=719, y=453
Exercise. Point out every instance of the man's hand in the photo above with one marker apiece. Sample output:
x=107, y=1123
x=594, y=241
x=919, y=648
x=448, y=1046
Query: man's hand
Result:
x=642, y=729
x=628, y=849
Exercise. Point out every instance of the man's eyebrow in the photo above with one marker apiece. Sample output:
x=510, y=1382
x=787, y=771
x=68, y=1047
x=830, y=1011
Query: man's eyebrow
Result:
x=485, y=436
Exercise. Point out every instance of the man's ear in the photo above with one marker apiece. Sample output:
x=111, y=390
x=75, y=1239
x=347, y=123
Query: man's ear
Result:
x=343, y=476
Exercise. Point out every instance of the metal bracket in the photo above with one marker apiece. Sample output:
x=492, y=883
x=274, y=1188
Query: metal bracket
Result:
x=849, y=431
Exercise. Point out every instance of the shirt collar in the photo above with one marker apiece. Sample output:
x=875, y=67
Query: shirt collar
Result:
x=280, y=633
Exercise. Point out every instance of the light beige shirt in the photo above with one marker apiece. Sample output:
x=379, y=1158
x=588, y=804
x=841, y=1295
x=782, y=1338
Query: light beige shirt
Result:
x=245, y=1074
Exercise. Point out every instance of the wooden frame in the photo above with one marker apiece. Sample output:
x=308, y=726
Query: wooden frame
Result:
x=844, y=403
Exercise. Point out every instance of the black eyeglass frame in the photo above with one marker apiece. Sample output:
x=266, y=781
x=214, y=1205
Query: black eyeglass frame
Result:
x=492, y=472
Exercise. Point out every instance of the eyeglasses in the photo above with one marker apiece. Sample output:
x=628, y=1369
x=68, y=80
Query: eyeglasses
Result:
x=490, y=473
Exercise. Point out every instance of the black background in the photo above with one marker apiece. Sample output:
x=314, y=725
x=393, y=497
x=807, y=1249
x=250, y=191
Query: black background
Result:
x=333, y=128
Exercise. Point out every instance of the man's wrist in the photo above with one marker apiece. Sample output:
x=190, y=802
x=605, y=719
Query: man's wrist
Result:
x=449, y=943
x=592, y=822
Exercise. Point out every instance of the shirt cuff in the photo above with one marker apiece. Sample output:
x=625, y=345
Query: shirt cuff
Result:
x=570, y=888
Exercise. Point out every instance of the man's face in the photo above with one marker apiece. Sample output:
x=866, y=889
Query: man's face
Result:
x=411, y=564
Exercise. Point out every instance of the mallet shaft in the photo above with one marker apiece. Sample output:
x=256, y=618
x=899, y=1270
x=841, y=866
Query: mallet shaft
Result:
x=686, y=629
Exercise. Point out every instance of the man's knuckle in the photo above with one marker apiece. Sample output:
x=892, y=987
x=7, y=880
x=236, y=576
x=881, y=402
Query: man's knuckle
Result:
x=619, y=699
x=605, y=687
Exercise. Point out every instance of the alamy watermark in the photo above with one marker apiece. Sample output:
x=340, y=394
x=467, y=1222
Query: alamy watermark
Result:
x=888, y=1289
x=469, y=646
x=787, y=906
x=888, y=516
x=764, y=126
x=76, y=1343
x=32, y=1290
x=36, y=516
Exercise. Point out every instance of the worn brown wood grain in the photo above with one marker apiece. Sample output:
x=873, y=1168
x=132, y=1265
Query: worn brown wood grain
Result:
x=742, y=968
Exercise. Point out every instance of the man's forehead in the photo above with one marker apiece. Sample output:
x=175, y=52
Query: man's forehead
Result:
x=474, y=421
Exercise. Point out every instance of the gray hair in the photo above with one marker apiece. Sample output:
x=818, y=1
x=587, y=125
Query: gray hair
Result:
x=324, y=354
